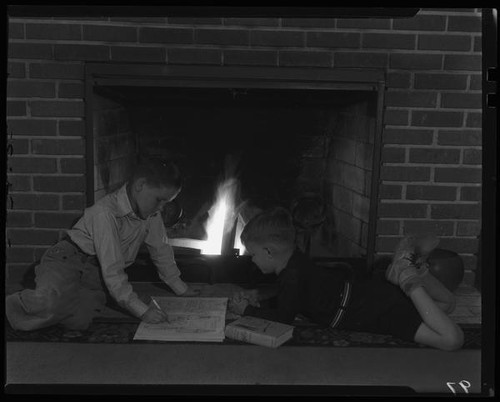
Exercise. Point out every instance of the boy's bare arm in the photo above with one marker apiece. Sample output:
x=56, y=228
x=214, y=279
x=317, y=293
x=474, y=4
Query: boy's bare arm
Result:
x=255, y=296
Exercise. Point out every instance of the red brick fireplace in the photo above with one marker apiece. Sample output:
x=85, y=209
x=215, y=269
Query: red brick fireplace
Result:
x=84, y=94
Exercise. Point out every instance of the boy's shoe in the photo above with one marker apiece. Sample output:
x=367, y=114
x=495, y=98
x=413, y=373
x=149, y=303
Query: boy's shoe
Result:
x=403, y=258
x=410, y=279
x=409, y=265
x=423, y=247
x=422, y=268
x=395, y=269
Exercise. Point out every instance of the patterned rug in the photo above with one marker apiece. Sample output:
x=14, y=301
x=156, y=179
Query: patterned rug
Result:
x=110, y=330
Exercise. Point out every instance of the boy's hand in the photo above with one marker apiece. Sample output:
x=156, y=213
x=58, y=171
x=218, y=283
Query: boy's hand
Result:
x=237, y=304
x=251, y=296
x=154, y=316
x=190, y=292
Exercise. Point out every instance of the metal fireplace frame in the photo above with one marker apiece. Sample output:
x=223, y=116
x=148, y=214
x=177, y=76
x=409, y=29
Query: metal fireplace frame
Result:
x=155, y=75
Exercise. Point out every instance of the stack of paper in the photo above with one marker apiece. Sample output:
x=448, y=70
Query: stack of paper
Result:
x=191, y=319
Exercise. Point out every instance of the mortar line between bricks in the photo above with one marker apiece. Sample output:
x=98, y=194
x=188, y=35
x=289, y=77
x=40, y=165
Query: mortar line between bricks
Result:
x=451, y=184
x=430, y=202
x=429, y=164
x=59, y=118
x=435, y=109
x=454, y=13
x=433, y=146
x=50, y=156
x=49, y=137
x=43, y=99
x=35, y=80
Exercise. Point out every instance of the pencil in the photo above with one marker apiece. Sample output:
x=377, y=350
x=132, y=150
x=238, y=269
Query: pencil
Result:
x=159, y=308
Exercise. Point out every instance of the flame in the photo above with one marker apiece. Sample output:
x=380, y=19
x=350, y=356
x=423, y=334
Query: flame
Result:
x=237, y=240
x=220, y=217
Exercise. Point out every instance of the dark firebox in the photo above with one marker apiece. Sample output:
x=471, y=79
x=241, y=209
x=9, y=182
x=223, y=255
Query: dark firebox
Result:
x=310, y=147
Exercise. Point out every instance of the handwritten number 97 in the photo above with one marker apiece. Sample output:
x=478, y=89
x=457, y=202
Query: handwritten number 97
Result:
x=464, y=384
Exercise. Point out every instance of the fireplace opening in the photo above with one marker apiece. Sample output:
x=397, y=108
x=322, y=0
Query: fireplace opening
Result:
x=312, y=149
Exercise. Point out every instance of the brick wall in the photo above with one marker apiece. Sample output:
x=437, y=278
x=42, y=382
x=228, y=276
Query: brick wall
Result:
x=431, y=173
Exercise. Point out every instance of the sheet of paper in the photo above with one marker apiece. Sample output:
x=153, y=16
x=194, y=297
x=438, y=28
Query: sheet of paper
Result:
x=200, y=319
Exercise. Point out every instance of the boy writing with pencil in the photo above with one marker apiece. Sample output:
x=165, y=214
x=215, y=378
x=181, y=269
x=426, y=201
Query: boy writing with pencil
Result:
x=77, y=275
x=412, y=304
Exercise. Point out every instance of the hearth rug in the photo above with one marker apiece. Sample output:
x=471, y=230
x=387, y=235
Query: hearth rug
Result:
x=121, y=331
x=117, y=326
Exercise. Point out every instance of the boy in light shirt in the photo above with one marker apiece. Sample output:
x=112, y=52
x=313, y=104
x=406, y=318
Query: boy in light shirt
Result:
x=76, y=275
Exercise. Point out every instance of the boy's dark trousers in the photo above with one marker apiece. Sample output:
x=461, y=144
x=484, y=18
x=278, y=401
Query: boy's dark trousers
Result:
x=69, y=290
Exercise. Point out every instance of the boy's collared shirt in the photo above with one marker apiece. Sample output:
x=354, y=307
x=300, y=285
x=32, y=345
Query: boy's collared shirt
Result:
x=112, y=231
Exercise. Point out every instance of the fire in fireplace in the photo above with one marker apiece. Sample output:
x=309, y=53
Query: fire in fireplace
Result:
x=221, y=228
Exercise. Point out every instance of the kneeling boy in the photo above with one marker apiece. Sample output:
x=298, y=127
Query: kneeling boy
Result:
x=78, y=274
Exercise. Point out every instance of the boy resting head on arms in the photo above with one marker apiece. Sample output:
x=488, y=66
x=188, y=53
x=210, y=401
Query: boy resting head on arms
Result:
x=77, y=275
x=412, y=304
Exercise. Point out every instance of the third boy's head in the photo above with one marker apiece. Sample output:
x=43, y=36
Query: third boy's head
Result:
x=269, y=238
x=153, y=183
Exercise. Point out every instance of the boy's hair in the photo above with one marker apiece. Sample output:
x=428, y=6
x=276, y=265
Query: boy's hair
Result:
x=157, y=172
x=271, y=227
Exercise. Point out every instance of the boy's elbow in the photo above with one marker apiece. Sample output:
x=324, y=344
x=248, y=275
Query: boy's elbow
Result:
x=450, y=304
x=454, y=341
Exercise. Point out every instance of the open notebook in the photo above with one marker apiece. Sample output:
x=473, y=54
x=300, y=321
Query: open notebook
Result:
x=192, y=319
